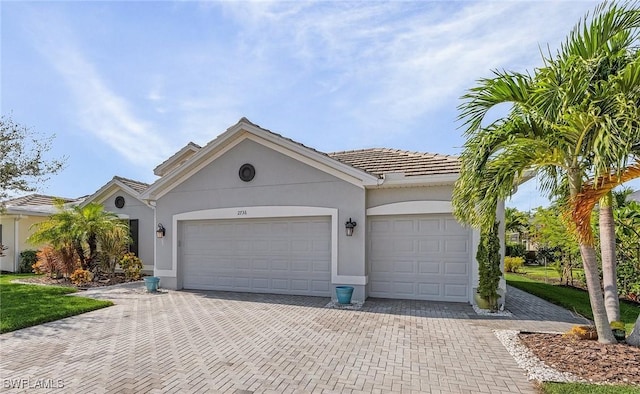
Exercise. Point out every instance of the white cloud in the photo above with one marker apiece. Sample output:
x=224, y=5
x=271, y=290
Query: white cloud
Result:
x=389, y=64
x=100, y=111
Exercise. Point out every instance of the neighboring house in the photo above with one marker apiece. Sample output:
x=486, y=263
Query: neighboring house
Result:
x=253, y=211
x=15, y=225
x=635, y=196
x=122, y=197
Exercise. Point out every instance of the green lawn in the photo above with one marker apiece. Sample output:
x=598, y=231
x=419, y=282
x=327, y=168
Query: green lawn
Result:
x=570, y=298
x=24, y=305
x=583, y=388
x=544, y=273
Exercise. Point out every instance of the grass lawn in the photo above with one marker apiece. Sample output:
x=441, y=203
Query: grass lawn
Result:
x=29, y=305
x=543, y=273
x=570, y=298
x=583, y=388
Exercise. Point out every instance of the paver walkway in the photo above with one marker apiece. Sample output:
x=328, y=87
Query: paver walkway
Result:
x=242, y=343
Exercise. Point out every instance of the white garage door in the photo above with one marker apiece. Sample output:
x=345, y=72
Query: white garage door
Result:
x=422, y=257
x=279, y=255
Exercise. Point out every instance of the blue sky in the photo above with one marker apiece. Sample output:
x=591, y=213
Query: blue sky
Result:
x=123, y=85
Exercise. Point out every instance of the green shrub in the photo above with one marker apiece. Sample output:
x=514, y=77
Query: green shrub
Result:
x=81, y=277
x=131, y=265
x=488, y=257
x=27, y=259
x=513, y=264
x=515, y=249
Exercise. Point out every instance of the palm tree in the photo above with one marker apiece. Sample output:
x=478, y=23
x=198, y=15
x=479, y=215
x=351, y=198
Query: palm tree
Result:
x=573, y=121
x=79, y=226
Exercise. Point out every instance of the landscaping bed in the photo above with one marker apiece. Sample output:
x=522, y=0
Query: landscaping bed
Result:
x=118, y=278
x=587, y=359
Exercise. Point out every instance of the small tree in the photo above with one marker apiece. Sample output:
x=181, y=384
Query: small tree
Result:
x=113, y=245
x=21, y=158
x=489, y=272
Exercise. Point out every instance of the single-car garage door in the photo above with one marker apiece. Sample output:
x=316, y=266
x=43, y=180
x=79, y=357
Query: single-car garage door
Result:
x=275, y=255
x=422, y=257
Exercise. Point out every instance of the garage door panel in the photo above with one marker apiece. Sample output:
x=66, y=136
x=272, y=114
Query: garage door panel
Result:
x=429, y=289
x=419, y=257
x=274, y=255
x=452, y=290
x=429, y=267
x=456, y=268
x=428, y=226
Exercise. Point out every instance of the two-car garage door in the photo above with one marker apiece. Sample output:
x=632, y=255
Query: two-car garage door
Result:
x=272, y=255
x=423, y=257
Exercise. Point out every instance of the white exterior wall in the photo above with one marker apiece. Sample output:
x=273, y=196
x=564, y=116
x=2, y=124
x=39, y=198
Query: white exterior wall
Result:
x=10, y=262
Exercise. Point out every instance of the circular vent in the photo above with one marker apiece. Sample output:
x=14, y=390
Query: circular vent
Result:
x=247, y=172
x=119, y=202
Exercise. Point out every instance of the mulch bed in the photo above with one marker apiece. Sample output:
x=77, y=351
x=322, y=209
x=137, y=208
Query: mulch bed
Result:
x=588, y=359
x=106, y=281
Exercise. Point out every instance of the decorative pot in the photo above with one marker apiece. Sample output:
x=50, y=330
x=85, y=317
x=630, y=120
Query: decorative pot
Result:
x=152, y=283
x=344, y=294
x=619, y=335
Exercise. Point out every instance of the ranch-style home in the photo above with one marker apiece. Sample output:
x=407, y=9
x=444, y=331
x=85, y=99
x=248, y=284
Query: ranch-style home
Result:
x=253, y=211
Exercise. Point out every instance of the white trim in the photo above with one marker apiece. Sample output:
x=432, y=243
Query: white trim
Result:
x=241, y=213
x=411, y=207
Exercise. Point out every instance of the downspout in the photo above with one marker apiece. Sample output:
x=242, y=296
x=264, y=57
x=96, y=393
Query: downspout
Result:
x=16, y=242
x=152, y=204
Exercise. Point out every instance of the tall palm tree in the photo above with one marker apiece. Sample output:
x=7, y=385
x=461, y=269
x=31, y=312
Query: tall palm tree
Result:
x=574, y=120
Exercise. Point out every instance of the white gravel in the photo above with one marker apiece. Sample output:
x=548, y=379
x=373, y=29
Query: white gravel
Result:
x=536, y=369
x=487, y=312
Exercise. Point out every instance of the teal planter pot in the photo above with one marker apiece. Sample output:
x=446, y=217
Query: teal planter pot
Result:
x=152, y=283
x=344, y=294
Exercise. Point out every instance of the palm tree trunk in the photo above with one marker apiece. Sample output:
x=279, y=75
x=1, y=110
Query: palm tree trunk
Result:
x=591, y=274
x=634, y=338
x=608, y=251
x=588, y=253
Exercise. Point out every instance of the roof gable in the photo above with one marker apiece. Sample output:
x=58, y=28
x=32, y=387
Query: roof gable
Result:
x=130, y=186
x=243, y=130
x=177, y=159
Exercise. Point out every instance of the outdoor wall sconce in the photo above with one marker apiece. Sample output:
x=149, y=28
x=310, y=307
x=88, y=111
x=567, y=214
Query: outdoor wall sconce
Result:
x=160, y=231
x=350, y=225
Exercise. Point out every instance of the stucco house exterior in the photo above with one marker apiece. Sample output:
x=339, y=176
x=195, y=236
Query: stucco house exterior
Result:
x=253, y=211
x=15, y=224
x=122, y=197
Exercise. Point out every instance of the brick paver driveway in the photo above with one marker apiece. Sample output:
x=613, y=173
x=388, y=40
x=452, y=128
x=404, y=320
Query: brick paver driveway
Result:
x=242, y=343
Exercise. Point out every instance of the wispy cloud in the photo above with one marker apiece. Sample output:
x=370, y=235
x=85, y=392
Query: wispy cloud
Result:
x=99, y=109
x=390, y=64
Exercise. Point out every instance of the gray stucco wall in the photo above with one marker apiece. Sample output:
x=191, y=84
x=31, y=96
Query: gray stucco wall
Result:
x=135, y=209
x=279, y=181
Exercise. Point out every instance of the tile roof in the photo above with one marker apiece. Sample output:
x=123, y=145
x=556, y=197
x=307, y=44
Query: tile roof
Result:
x=35, y=200
x=380, y=161
x=135, y=185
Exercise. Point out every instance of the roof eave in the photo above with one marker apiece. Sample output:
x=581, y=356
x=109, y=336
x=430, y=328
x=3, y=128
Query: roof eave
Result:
x=419, y=180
